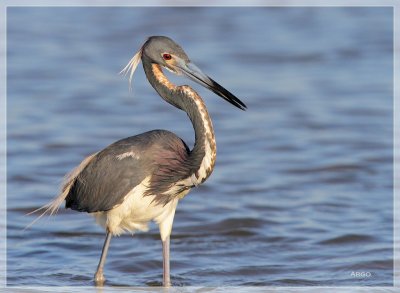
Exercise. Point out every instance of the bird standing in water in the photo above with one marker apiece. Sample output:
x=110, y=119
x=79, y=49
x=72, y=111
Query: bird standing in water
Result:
x=141, y=178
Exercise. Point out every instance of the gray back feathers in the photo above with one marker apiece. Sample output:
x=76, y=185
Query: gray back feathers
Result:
x=116, y=170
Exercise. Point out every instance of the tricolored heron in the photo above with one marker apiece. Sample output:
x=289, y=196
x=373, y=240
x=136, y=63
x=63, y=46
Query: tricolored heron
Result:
x=141, y=178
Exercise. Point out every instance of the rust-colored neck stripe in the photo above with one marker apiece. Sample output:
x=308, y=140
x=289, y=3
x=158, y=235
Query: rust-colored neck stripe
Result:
x=161, y=78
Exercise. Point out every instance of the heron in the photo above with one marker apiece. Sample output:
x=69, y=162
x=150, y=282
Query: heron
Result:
x=141, y=178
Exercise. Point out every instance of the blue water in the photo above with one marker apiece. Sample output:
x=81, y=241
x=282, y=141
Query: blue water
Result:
x=302, y=192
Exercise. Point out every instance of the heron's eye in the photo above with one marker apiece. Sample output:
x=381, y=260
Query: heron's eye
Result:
x=167, y=56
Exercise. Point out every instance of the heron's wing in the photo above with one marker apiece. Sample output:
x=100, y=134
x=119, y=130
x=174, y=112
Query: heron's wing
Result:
x=109, y=176
x=112, y=173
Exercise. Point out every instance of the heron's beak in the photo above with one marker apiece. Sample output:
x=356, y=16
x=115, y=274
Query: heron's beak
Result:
x=195, y=74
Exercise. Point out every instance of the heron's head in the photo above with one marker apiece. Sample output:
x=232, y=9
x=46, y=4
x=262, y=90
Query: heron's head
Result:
x=165, y=52
x=168, y=54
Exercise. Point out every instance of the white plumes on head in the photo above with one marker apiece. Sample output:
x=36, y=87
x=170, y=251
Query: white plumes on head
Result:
x=131, y=67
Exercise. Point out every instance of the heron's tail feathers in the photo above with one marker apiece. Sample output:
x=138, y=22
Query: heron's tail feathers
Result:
x=52, y=207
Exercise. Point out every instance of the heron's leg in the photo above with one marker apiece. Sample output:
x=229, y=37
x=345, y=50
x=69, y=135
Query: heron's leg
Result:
x=99, y=277
x=166, y=272
x=165, y=232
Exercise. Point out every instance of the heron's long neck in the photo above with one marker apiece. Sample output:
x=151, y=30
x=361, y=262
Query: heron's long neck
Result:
x=185, y=98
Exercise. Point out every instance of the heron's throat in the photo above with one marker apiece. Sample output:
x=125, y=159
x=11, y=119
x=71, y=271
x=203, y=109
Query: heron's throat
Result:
x=203, y=154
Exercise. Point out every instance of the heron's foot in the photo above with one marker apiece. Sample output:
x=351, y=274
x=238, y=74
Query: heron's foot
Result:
x=99, y=278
